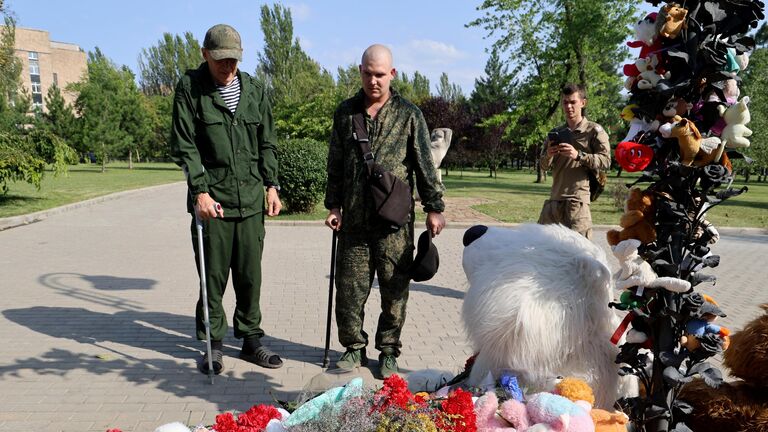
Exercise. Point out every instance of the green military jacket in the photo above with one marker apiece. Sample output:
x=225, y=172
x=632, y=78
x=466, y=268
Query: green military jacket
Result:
x=230, y=156
x=399, y=140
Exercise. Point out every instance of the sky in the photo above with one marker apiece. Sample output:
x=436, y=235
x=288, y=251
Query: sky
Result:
x=425, y=35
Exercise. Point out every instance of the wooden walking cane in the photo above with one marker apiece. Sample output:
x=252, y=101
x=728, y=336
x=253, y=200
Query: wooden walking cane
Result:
x=330, y=297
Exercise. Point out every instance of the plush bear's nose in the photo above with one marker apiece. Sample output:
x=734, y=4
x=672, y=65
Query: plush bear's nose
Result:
x=473, y=234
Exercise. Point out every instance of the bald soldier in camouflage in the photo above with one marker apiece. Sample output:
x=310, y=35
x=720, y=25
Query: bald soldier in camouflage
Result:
x=400, y=142
x=569, y=202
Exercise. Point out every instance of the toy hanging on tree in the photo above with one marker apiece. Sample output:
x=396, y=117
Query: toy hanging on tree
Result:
x=693, y=122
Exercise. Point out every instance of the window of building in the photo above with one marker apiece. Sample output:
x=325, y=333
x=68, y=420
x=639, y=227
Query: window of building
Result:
x=34, y=63
x=55, y=79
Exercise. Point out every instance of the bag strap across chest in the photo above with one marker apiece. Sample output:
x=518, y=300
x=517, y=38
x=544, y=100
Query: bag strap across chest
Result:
x=360, y=134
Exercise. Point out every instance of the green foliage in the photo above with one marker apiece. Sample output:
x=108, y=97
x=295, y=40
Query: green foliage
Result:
x=10, y=65
x=59, y=119
x=15, y=102
x=447, y=90
x=550, y=43
x=495, y=88
x=348, y=81
x=302, y=173
x=298, y=86
x=755, y=85
x=161, y=66
x=23, y=156
x=414, y=89
x=160, y=110
x=17, y=163
x=114, y=115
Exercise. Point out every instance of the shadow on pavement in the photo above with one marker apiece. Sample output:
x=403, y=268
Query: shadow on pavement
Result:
x=437, y=291
x=99, y=282
x=156, y=332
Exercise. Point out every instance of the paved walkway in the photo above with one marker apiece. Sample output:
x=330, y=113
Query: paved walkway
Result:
x=96, y=323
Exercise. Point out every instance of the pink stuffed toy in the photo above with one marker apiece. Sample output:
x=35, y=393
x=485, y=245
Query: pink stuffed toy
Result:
x=487, y=419
x=547, y=412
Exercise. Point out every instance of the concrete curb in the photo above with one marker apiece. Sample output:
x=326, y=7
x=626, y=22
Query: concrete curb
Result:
x=16, y=221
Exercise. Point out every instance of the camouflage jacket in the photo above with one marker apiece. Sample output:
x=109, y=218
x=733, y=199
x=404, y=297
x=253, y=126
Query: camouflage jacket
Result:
x=230, y=156
x=399, y=140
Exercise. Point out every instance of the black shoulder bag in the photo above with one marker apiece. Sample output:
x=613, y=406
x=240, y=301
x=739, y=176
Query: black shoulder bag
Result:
x=392, y=197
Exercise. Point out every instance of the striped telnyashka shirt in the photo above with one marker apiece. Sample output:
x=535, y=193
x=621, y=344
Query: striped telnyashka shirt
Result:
x=231, y=93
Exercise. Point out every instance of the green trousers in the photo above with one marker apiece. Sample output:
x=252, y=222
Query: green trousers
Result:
x=360, y=255
x=234, y=244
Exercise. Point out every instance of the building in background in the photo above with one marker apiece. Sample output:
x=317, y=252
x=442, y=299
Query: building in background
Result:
x=46, y=62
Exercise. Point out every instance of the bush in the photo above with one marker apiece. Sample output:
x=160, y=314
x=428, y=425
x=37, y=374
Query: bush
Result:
x=24, y=157
x=302, y=174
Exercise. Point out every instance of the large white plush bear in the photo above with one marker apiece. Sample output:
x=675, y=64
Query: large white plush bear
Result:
x=537, y=305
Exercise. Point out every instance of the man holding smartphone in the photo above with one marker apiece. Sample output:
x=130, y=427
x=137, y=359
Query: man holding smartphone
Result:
x=572, y=150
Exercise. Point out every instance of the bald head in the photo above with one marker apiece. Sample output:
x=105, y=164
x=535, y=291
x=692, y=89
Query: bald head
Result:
x=377, y=53
x=376, y=73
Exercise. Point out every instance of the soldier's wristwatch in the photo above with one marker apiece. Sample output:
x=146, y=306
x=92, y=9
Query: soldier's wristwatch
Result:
x=579, y=156
x=274, y=186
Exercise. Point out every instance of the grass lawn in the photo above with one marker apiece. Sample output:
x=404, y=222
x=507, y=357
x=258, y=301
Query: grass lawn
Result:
x=513, y=196
x=83, y=182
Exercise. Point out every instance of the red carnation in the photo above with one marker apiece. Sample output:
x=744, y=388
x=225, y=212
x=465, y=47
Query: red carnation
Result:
x=225, y=423
x=458, y=413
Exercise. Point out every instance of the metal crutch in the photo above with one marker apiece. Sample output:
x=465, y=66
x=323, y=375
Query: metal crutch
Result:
x=330, y=297
x=204, y=291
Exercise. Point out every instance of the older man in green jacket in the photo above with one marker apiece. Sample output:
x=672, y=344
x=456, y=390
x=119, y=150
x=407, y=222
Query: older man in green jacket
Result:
x=223, y=137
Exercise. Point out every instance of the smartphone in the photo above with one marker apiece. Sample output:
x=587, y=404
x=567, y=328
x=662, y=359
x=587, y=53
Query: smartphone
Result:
x=559, y=136
x=553, y=137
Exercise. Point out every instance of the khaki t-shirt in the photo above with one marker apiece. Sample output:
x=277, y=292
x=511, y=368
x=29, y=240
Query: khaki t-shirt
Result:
x=569, y=177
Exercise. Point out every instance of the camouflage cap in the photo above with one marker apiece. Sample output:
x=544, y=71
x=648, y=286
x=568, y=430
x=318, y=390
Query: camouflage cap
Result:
x=223, y=42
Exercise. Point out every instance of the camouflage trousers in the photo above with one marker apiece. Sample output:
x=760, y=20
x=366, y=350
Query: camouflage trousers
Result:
x=572, y=213
x=360, y=256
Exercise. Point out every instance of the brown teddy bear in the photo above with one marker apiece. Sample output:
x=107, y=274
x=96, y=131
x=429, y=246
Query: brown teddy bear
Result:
x=740, y=405
x=672, y=20
x=637, y=220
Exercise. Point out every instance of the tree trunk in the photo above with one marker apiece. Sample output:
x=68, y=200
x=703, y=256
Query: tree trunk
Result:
x=130, y=159
x=103, y=158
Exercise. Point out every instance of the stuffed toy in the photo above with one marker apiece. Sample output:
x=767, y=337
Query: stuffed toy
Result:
x=688, y=139
x=736, y=117
x=487, y=418
x=675, y=107
x=671, y=20
x=634, y=271
x=644, y=74
x=697, y=328
x=547, y=412
x=741, y=404
x=536, y=306
x=637, y=220
x=636, y=125
x=632, y=156
x=580, y=392
x=646, y=37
